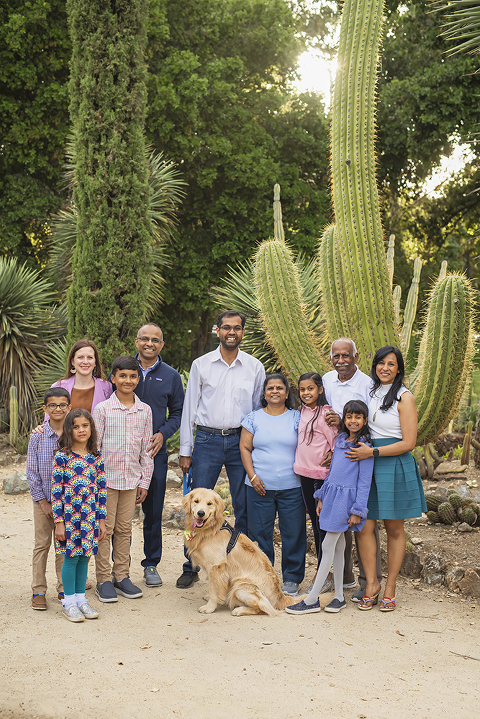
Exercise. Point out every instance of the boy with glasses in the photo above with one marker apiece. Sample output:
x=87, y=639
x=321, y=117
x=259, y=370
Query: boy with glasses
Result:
x=41, y=449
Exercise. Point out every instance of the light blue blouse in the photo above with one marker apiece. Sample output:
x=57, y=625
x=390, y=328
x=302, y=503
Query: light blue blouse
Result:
x=274, y=445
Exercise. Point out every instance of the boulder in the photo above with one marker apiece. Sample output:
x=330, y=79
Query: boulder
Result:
x=17, y=484
x=173, y=480
x=470, y=584
x=453, y=576
x=464, y=527
x=432, y=572
x=173, y=459
x=411, y=565
x=464, y=491
x=173, y=518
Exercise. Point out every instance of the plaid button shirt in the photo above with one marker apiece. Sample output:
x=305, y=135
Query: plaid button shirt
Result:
x=41, y=449
x=123, y=437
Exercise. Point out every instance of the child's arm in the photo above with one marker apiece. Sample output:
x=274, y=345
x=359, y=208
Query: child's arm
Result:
x=33, y=476
x=99, y=419
x=57, y=496
x=102, y=498
x=364, y=480
x=146, y=461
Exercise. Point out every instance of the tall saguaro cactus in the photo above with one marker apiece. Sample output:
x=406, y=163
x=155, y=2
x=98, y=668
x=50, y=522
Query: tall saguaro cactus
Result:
x=355, y=278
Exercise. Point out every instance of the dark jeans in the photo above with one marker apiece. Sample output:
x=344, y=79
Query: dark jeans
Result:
x=210, y=453
x=291, y=521
x=153, y=509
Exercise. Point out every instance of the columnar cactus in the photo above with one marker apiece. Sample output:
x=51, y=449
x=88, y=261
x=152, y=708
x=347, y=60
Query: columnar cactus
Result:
x=354, y=277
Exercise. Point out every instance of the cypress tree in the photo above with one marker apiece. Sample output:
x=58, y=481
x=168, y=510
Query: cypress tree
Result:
x=112, y=260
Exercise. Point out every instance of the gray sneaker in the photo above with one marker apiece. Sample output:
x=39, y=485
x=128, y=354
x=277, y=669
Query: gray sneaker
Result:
x=350, y=585
x=290, y=588
x=88, y=611
x=358, y=595
x=105, y=591
x=151, y=577
x=127, y=589
x=73, y=614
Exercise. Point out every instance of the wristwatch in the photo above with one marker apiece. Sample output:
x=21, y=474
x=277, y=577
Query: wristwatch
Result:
x=376, y=452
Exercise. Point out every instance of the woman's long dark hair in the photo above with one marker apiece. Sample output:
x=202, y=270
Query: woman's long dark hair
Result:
x=356, y=406
x=282, y=378
x=66, y=440
x=392, y=393
x=321, y=401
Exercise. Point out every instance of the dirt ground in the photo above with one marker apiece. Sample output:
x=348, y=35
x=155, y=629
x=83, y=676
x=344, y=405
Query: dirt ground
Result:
x=158, y=657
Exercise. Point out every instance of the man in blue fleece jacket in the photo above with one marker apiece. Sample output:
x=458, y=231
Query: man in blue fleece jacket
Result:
x=160, y=387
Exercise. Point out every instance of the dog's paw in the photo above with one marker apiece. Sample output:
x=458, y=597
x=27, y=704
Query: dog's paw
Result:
x=207, y=609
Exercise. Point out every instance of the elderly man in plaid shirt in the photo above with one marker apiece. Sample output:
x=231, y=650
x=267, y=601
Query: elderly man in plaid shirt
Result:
x=124, y=429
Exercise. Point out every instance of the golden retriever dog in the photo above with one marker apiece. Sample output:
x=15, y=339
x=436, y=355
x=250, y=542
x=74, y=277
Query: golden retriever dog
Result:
x=244, y=579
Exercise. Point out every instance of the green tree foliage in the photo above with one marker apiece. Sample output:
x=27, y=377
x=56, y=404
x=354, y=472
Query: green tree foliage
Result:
x=34, y=53
x=112, y=260
x=220, y=104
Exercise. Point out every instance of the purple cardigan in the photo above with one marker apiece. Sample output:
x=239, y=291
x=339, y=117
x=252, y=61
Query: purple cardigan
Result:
x=103, y=390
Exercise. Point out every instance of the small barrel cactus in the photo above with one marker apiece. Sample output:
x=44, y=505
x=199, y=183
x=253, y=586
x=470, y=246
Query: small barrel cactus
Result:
x=466, y=514
x=447, y=513
x=455, y=500
x=433, y=517
x=433, y=502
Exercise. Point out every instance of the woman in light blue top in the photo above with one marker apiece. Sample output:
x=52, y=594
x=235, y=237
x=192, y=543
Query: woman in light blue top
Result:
x=267, y=445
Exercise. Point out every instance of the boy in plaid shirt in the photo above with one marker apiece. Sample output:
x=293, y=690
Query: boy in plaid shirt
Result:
x=124, y=429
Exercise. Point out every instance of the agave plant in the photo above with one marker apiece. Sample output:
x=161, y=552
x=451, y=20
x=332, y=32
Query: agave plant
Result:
x=354, y=277
x=29, y=320
x=165, y=194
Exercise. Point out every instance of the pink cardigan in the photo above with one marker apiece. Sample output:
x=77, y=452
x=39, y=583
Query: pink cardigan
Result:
x=103, y=389
x=309, y=456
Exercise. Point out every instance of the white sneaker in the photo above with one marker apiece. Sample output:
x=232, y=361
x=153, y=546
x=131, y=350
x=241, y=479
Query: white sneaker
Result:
x=73, y=614
x=88, y=611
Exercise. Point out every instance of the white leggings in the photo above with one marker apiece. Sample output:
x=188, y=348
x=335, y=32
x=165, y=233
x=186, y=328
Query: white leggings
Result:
x=333, y=548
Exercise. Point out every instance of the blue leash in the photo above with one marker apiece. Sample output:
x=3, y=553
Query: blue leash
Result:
x=187, y=482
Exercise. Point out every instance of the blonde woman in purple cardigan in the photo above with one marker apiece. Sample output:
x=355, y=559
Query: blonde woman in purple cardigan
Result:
x=342, y=505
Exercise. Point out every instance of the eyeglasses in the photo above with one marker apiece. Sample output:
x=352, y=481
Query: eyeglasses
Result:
x=52, y=406
x=228, y=328
x=153, y=340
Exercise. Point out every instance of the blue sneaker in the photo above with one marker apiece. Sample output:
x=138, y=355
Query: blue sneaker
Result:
x=336, y=605
x=302, y=608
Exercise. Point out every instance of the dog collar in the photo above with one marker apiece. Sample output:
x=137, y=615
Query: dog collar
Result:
x=189, y=534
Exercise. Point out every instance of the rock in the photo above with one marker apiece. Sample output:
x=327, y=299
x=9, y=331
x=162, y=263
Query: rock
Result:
x=138, y=513
x=470, y=584
x=17, y=484
x=476, y=497
x=173, y=518
x=464, y=527
x=411, y=565
x=221, y=481
x=173, y=480
x=173, y=459
x=453, y=577
x=464, y=491
x=416, y=540
x=432, y=572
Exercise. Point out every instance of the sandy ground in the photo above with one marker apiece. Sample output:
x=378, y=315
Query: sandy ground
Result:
x=158, y=657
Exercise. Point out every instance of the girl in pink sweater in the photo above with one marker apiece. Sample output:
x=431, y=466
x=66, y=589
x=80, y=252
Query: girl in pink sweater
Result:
x=315, y=445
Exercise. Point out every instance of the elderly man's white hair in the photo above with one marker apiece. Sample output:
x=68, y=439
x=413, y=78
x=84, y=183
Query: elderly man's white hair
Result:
x=343, y=339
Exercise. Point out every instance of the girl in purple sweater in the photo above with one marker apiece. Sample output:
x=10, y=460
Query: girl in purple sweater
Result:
x=342, y=505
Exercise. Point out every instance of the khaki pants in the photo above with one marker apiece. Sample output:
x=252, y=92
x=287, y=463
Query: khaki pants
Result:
x=120, y=511
x=44, y=528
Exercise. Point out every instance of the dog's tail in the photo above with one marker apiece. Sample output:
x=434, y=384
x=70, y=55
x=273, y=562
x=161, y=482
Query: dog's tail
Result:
x=245, y=593
x=287, y=601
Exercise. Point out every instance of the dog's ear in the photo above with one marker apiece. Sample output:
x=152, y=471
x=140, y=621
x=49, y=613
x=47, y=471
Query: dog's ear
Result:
x=219, y=506
x=186, y=503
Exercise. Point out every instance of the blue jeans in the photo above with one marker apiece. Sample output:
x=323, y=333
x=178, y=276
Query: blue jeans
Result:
x=210, y=453
x=153, y=509
x=291, y=521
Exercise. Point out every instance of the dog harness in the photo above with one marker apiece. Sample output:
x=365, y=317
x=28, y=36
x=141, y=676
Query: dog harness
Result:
x=234, y=534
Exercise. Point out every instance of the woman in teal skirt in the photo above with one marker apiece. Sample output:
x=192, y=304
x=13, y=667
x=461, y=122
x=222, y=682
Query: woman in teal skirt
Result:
x=396, y=492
